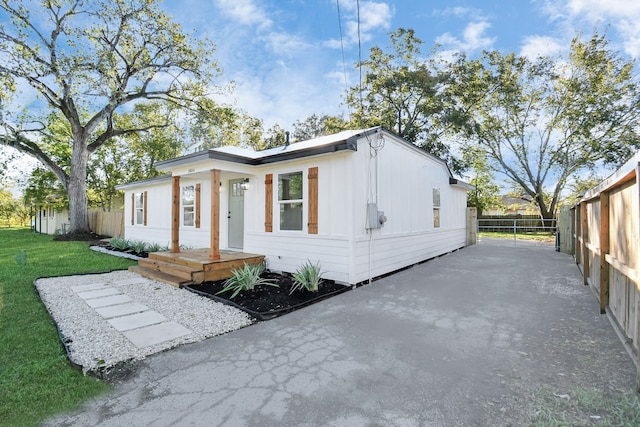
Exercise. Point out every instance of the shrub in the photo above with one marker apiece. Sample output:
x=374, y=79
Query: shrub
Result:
x=155, y=247
x=119, y=243
x=138, y=247
x=246, y=279
x=307, y=277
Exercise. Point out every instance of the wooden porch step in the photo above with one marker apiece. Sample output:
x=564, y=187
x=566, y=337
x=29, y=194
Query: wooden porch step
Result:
x=160, y=276
x=194, y=274
x=179, y=258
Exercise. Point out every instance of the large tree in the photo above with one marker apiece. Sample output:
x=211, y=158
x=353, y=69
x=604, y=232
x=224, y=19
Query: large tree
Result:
x=91, y=61
x=541, y=121
x=403, y=91
x=317, y=125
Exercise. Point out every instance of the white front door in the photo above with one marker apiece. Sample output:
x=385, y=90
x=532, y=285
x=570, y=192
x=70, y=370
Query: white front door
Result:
x=236, y=214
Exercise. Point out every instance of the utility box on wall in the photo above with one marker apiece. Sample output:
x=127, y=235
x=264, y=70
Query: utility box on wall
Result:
x=375, y=218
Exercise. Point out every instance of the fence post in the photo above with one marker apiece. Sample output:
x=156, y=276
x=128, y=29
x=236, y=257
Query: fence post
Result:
x=472, y=226
x=585, y=240
x=604, y=251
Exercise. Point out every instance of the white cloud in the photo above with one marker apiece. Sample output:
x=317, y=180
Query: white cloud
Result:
x=537, y=46
x=473, y=38
x=461, y=12
x=621, y=16
x=374, y=16
x=285, y=44
x=246, y=12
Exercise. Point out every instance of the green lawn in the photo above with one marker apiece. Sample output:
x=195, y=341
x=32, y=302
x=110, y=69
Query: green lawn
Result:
x=36, y=380
x=539, y=236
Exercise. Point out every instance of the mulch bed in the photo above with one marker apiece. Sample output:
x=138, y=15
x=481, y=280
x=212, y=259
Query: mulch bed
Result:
x=266, y=302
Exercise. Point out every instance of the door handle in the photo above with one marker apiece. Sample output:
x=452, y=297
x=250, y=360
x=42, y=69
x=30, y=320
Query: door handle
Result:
x=229, y=216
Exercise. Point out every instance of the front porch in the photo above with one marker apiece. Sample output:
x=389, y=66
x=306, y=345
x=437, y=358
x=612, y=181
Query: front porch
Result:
x=192, y=266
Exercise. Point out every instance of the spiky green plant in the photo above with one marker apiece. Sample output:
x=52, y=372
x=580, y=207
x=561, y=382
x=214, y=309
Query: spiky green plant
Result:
x=119, y=243
x=246, y=279
x=307, y=277
x=154, y=247
x=138, y=246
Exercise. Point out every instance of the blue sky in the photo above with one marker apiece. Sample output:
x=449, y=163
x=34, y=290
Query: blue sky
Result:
x=285, y=57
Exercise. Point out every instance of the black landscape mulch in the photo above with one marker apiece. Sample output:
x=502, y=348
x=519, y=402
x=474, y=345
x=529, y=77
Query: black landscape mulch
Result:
x=266, y=302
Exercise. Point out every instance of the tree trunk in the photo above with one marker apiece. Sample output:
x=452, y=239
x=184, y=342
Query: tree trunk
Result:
x=77, y=191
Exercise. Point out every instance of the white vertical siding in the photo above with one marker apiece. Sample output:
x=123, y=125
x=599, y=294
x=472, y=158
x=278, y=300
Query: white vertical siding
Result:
x=404, y=180
x=288, y=250
x=397, y=176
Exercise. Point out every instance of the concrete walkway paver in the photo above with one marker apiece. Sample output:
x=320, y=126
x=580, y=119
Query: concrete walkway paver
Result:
x=487, y=335
x=138, y=323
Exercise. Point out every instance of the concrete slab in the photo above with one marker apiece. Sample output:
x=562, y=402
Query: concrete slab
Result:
x=497, y=334
x=121, y=309
x=137, y=320
x=108, y=300
x=98, y=293
x=154, y=334
x=89, y=287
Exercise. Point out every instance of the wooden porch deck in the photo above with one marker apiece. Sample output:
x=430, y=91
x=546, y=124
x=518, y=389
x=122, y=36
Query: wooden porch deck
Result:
x=192, y=266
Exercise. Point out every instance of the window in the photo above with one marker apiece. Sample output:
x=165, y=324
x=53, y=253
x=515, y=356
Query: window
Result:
x=290, y=199
x=436, y=207
x=188, y=205
x=139, y=209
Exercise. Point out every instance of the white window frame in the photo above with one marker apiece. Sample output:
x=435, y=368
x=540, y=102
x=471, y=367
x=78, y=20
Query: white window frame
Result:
x=436, y=207
x=139, y=208
x=188, y=209
x=283, y=203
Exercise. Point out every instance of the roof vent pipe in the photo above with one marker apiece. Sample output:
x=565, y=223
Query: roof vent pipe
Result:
x=286, y=142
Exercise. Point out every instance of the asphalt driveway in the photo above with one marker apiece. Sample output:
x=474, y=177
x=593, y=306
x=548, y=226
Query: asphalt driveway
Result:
x=494, y=334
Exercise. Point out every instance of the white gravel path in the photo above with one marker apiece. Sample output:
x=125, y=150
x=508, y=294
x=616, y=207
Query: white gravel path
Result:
x=95, y=345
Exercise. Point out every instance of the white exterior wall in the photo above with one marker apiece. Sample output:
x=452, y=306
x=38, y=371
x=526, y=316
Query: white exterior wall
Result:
x=51, y=221
x=287, y=250
x=400, y=178
x=401, y=181
x=158, y=228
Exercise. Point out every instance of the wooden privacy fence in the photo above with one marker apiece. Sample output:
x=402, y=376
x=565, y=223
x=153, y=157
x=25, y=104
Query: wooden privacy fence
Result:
x=606, y=223
x=107, y=223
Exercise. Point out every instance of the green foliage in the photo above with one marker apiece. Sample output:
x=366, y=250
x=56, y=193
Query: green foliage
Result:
x=214, y=125
x=307, y=276
x=405, y=92
x=584, y=406
x=486, y=193
x=246, y=279
x=542, y=121
x=36, y=379
x=89, y=62
x=317, y=125
x=119, y=243
x=155, y=247
x=276, y=137
x=578, y=187
x=138, y=246
x=21, y=257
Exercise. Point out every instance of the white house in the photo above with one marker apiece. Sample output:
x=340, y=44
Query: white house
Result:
x=362, y=203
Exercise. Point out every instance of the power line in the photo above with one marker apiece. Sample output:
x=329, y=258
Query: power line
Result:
x=344, y=64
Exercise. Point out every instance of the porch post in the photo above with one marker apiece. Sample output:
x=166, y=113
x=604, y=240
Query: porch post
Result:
x=215, y=214
x=175, y=214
